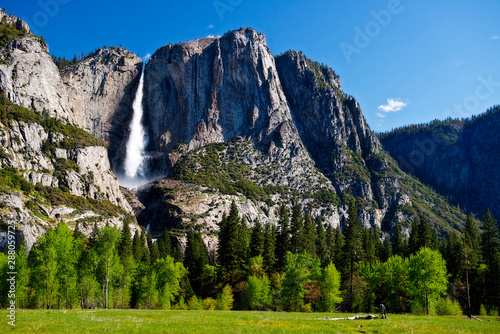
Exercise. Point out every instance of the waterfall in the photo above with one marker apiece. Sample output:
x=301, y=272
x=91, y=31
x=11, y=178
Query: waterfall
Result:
x=135, y=164
x=134, y=157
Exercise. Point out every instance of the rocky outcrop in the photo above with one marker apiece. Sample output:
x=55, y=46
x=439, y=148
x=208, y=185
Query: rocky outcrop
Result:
x=14, y=21
x=29, y=78
x=458, y=158
x=101, y=89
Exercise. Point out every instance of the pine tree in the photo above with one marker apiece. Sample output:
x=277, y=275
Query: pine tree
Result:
x=165, y=245
x=155, y=253
x=397, y=242
x=471, y=259
x=137, y=247
x=195, y=260
x=330, y=245
x=309, y=237
x=233, y=241
x=425, y=237
x=369, y=249
x=321, y=246
x=297, y=229
x=269, y=254
x=125, y=246
x=94, y=234
x=490, y=245
x=77, y=234
x=413, y=239
x=338, y=248
x=283, y=242
x=257, y=240
x=352, y=252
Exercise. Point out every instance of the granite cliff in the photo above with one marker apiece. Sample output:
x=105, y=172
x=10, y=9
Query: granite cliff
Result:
x=458, y=158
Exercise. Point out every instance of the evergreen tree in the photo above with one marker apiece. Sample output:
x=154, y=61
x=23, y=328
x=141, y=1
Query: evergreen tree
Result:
x=268, y=255
x=352, y=252
x=195, y=260
x=330, y=244
x=155, y=253
x=257, y=240
x=138, y=247
x=321, y=245
x=233, y=241
x=125, y=247
x=413, y=239
x=338, y=248
x=297, y=229
x=77, y=234
x=94, y=234
x=425, y=237
x=165, y=245
x=309, y=235
x=397, y=242
x=490, y=245
x=283, y=242
x=472, y=259
x=369, y=249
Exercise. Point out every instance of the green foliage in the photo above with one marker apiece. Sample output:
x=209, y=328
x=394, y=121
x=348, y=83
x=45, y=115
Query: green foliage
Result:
x=195, y=260
x=300, y=269
x=325, y=197
x=209, y=304
x=427, y=276
x=8, y=33
x=330, y=287
x=225, y=299
x=206, y=166
x=195, y=303
x=446, y=306
x=257, y=293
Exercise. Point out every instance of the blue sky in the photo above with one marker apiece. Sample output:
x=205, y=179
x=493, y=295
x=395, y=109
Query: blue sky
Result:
x=406, y=61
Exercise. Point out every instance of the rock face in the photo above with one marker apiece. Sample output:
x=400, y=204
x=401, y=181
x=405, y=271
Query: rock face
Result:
x=291, y=109
x=29, y=78
x=101, y=90
x=459, y=158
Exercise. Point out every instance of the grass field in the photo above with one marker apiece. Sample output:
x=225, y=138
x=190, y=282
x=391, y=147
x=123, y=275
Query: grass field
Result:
x=218, y=322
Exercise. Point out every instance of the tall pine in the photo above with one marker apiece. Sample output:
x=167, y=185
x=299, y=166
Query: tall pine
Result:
x=283, y=242
x=352, y=253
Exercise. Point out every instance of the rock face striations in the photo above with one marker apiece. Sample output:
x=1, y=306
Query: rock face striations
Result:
x=459, y=158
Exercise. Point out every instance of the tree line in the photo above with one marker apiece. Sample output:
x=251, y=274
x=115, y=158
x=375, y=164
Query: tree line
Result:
x=296, y=265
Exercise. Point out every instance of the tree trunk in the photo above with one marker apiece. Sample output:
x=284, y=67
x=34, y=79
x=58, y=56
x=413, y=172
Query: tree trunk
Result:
x=427, y=301
x=107, y=283
x=469, y=311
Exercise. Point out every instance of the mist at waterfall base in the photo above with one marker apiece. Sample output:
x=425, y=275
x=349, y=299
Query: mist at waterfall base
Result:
x=136, y=162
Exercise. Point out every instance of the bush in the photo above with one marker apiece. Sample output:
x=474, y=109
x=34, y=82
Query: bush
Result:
x=445, y=306
x=225, y=299
x=195, y=303
x=209, y=304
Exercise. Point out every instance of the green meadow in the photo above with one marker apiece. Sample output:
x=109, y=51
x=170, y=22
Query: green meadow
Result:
x=158, y=321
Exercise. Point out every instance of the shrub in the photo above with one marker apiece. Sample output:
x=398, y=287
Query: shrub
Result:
x=209, y=304
x=445, y=306
x=195, y=303
x=225, y=299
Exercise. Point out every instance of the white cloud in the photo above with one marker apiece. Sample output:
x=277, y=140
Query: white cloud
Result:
x=392, y=105
x=380, y=115
x=458, y=63
x=211, y=26
x=495, y=37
